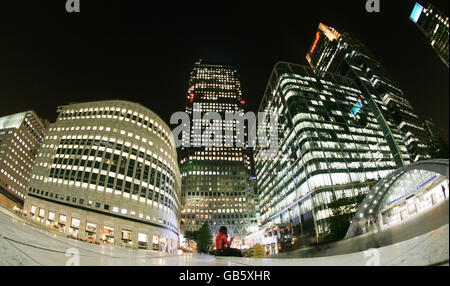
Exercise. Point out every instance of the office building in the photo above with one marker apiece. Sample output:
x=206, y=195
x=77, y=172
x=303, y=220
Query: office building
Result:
x=340, y=53
x=216, y=181
x=436, y=141
x=434, y=25
x=331, y=146
x=21, y=136
x=107, y=172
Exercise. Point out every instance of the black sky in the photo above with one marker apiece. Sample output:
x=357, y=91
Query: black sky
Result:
x=144, y=53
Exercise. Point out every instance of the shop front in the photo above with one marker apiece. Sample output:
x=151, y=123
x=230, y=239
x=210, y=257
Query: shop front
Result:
x=33, y=212
x=74, y=228
x=91, y=232
x=127, y=239
x=108, y=235
x=51, y=220
x=142, y=240
x=62, y=223
x=155, y=244
x=424, y=199
x=41, y=216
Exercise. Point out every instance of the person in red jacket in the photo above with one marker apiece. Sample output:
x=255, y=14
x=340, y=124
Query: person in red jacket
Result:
x=223, y=245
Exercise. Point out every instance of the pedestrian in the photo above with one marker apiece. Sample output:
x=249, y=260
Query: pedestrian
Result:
x=223, y=245
x=443, y=190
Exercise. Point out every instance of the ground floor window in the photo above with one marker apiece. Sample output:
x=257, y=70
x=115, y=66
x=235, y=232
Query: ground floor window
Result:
x=51, y=219
x=126, y=237
x=108, y=234
x=62, y=223
x=74, y=228
x=155, y=244
x=142, y=240
x=91, y=232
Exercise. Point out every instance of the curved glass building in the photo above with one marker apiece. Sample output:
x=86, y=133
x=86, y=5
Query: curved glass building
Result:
x=107, y=173
x=404, y=193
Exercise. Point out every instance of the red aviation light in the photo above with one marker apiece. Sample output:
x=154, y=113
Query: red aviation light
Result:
x=315, y=43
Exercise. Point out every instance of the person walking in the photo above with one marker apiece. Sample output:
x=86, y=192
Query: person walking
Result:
x=443, y=190
x=223, y=245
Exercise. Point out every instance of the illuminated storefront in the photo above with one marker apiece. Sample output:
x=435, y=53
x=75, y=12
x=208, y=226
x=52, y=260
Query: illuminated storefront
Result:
x=419, y=199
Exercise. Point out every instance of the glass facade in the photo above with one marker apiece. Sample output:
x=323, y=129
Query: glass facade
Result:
x=434, y=24
x=404, y=193
x=115, y=159
x=325, y=151
x=337, y=52
x=216, y=181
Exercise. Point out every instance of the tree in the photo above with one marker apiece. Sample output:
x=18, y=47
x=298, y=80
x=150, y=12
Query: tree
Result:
x=204, y=238
x=343, y=211
x=190, y=235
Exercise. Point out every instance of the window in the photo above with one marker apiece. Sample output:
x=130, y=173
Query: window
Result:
x=75, y=223
x=126, y=236
x=142, y=237
x=62, y=219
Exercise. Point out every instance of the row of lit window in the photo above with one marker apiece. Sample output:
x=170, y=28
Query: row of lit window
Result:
x=90, y=227
x=121, y=114
x=97, y=205
x=108, y=142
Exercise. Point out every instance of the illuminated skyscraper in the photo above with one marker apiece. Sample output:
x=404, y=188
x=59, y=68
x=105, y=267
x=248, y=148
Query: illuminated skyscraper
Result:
x=331, y=147
x=21, y=136
x=216, y=181
x=337, y=52
x=434, y=24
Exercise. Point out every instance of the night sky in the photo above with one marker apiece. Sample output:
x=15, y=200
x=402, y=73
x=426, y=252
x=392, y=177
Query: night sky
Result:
x=144, y=53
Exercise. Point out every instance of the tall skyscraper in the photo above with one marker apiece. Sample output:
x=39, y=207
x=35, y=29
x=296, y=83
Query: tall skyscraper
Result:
x=337, y=52
x=437, y=143
x=216, y=181
x=434, y=24
x=21, y=135
x=332, y=146
x=107, y=172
